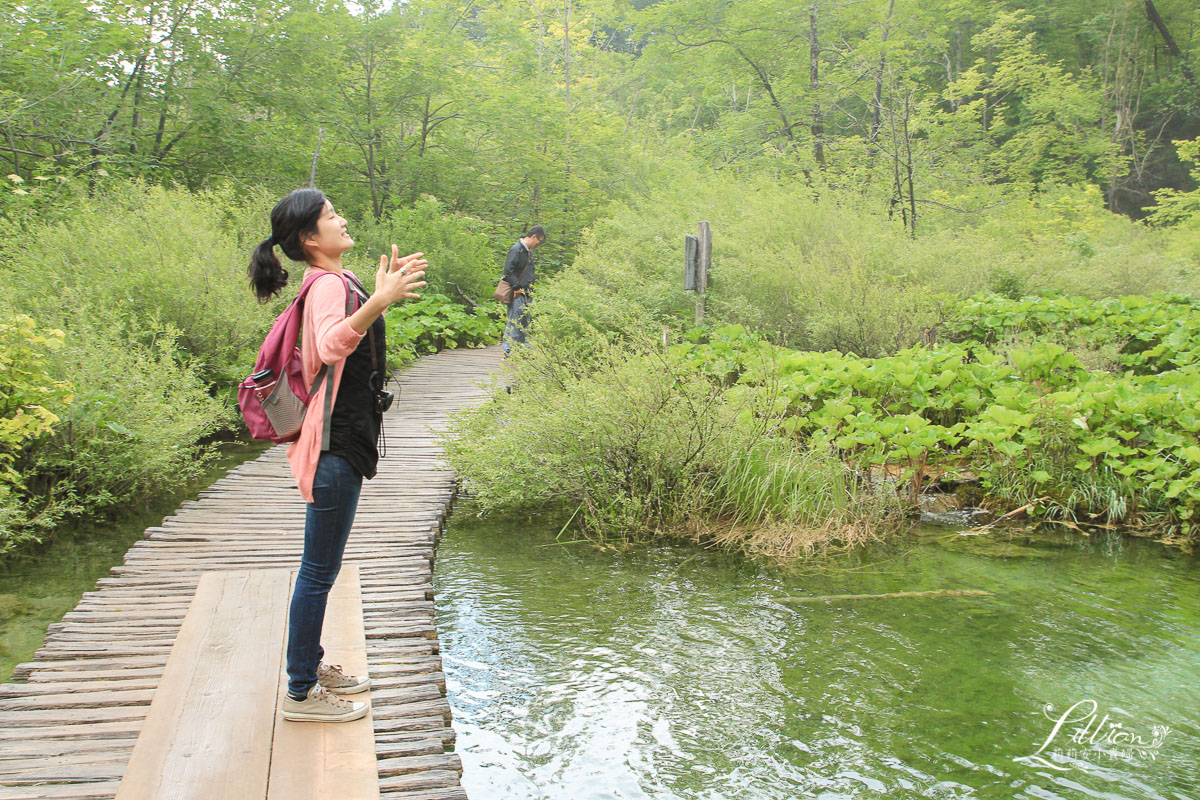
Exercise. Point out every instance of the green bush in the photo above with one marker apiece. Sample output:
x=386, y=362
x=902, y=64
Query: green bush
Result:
x=632, y=444
x=727, y=431
x=1146, y=334
x=169, y=255
x=148, y=285
x=28, y=393
x=457, y=247
x=1033, y=424
x=136, y=423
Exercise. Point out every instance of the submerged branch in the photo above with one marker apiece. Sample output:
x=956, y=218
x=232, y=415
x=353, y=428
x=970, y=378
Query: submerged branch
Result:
x=887, y=596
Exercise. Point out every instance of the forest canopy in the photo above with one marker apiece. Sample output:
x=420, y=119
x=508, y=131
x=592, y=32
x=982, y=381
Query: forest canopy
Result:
x=547, y=110
x=866, y=166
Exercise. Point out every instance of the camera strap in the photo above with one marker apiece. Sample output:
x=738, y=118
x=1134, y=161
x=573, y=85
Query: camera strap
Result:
x=381, y=437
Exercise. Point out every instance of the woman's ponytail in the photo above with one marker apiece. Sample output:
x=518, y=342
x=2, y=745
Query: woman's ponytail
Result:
x=267, y=275
x=292, y=216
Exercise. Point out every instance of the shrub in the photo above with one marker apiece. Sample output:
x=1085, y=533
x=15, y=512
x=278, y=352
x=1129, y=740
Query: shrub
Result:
x=835, y=272
x=1146, y=334
x=1032, y=424
x=164, y=254
x=135, y=425
x=148, y=286
x=632, y=444
x=458, y=247
x=27, y=394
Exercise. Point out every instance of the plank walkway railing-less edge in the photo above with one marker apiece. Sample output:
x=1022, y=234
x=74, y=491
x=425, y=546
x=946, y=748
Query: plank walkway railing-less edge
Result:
x=69, y=732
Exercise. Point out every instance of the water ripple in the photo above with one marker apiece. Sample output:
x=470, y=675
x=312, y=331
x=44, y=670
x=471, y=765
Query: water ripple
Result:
x=670, y=672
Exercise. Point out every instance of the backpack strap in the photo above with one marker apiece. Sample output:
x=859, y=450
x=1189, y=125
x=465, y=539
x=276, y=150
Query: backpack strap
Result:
x=324, y=371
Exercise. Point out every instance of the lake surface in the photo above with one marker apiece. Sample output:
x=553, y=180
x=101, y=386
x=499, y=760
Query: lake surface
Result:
x=676, y=672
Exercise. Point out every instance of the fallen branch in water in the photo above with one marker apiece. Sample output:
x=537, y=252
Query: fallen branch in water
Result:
x=1013, y=513
x=888, y=596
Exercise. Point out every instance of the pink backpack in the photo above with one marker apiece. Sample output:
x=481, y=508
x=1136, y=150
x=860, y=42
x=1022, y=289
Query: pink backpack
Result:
x=274, y=408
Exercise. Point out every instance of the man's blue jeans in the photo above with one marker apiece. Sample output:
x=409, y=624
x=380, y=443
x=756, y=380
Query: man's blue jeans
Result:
x=336, y=486
x=517, y=324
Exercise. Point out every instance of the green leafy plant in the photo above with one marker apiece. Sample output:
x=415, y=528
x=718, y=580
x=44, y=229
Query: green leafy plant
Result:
x=438, y=322
x=28, y=393
x=1032, y=424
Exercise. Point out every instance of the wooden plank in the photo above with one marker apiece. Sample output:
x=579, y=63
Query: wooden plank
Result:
x=62, y=791
x=120, y=729
x=426, y=779
x=208, y=733
x=329, y=760
x=445, y=793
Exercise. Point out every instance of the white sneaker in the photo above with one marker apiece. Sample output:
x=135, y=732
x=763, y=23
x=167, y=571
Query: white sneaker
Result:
x=332, y=678
x=321, y=705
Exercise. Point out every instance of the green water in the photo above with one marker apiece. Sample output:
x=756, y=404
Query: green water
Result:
x=41, y=583
x=675, y=672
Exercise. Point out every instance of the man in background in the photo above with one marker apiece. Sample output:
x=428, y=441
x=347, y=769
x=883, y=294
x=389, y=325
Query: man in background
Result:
x=518, y=271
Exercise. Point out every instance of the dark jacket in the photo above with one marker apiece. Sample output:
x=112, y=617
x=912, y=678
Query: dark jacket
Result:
x=518, y=266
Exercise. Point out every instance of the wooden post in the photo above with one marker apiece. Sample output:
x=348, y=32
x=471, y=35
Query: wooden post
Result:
x=705, y=259
x=691, y=260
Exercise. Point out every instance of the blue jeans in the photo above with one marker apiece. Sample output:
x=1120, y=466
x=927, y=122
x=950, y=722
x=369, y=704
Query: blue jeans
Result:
x=336, y=486
x=518, y=322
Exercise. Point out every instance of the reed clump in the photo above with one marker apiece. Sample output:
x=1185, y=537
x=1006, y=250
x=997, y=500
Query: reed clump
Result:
x=628, y=443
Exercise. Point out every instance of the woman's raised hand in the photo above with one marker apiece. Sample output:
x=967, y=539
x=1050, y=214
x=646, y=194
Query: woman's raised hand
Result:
x=398, y=277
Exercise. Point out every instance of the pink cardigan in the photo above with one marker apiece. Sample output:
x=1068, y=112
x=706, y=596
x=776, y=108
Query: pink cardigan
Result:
x=325, y=337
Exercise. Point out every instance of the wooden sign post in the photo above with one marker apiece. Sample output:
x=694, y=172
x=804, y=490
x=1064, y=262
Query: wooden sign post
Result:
x=696, y=261
x=691, y=262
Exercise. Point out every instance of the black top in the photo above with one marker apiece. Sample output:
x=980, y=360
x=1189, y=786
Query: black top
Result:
x=354, y=425
x=518, y=266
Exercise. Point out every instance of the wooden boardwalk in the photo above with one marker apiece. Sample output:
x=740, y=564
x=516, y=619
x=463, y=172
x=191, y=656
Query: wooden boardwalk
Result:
x=68, y=731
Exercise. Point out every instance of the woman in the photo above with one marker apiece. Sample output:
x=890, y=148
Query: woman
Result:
x=306, y=228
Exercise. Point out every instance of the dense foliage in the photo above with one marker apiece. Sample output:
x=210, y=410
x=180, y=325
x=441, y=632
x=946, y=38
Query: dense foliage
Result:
x=27, y=391
x=464, y=260
x=631, y=443
x=1145, y=334
x=436, y=322
x=1032, y=424
x=831, y=274
x=546, y=111
x=125, y=326
x=865, y=167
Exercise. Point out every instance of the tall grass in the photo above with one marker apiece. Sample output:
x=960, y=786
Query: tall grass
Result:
x=776, y=497
x=628, y=444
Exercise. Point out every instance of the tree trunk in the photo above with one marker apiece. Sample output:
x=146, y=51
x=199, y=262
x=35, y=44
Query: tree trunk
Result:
x=312, y=173
x=814, y=84
x=908, y=164
x=136, y=121
x=877, y=111
x=424, y=129
x=372, y=141
x=1153, y=16
x=567, y=87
